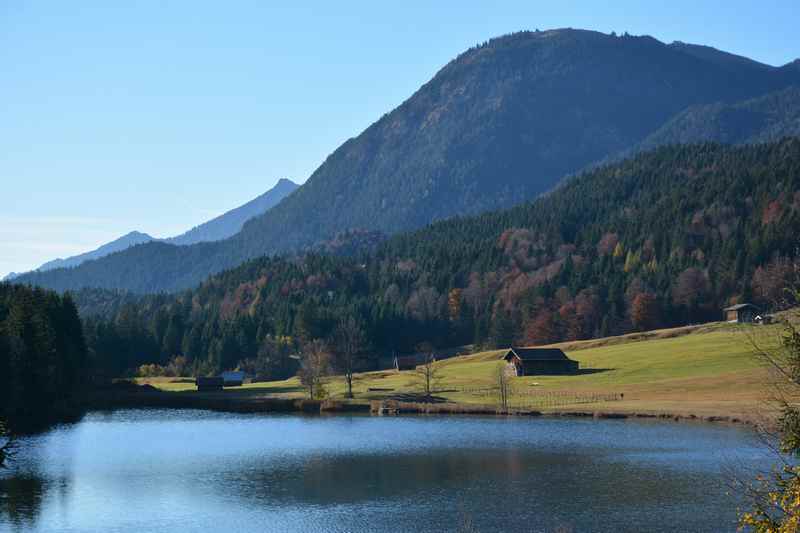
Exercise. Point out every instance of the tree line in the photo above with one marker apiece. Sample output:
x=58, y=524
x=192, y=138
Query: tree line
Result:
x=44, y=362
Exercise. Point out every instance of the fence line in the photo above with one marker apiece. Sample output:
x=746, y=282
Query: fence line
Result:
x=544, y=398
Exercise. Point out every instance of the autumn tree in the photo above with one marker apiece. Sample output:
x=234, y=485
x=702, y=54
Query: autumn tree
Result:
x=542, y=329
x=350, y=341
x=775, y=499
x=770, y=281
x=315, y=359
x=645, y=311
x=454, y=304
x=691, y=291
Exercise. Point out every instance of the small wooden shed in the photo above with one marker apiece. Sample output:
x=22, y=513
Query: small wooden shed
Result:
x=742, y=313
x=209, y=384
x=538, y=361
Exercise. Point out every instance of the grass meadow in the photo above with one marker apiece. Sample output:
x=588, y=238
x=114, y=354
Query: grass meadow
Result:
x=702, y=370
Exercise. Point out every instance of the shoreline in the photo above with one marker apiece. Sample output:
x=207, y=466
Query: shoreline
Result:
x=237, y=404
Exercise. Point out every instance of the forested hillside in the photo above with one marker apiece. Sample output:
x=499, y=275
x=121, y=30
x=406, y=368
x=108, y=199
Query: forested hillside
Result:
x=666, y=238
x=498, y=125
x=44, y=364
x=766, y=118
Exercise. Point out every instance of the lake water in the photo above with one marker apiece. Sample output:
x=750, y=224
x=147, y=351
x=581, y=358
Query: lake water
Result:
x=197, y=471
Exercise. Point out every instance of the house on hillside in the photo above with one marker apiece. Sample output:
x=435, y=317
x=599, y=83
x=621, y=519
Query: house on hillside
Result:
x=233, y=378
x=537, y=361
x=741, y=313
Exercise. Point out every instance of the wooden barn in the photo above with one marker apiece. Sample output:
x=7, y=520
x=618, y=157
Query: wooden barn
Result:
x=538, y=361
x=742, y=313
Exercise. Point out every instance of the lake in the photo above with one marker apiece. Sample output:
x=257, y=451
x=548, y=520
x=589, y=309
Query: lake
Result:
x=193, y=471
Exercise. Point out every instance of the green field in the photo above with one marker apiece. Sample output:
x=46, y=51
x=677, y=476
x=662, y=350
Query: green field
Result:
x=704, y=370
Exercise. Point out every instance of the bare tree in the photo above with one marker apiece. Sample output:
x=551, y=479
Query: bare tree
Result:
x=775, y=499
x=428, y=373
x=314, y=366
x=503, y=385
x=350, y=341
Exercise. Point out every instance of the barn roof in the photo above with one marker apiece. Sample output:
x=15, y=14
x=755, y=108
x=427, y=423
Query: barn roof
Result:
x=739, y=306
x=538, y=354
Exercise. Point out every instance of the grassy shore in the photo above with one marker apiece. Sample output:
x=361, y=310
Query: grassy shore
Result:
x=707, y=370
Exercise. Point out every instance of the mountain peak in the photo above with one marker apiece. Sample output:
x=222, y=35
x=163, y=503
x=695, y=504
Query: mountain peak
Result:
x=137, y=235
x=793, y=65
x=231, y=222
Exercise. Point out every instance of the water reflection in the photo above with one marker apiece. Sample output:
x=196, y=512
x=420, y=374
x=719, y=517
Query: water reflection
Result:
x=188, y=471
x=21, y=499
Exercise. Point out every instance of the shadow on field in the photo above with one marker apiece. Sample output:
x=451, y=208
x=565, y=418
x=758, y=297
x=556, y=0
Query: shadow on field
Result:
x=585, y=371
x=235, y=391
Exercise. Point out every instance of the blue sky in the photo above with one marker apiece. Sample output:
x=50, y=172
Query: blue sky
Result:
x=158, y=115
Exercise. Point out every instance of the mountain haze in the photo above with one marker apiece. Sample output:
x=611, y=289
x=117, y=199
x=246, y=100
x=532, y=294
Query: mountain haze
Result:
x=498, y=125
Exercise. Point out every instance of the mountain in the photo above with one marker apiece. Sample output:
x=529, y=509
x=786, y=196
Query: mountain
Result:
x=666, y=238
x=498, y=125
x=216, y=229
x=230, y=223
x=719, y=57
x=126, y=241
x=762, y=119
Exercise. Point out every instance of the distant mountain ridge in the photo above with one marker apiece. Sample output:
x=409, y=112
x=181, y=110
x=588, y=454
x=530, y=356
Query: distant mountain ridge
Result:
x=218, y=228
x=126, y=241
x=500, y=124
x=231, y=223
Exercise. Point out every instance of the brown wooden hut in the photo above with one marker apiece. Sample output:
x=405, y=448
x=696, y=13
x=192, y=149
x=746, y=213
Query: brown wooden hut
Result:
x=538, y=361
x=744, y=313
